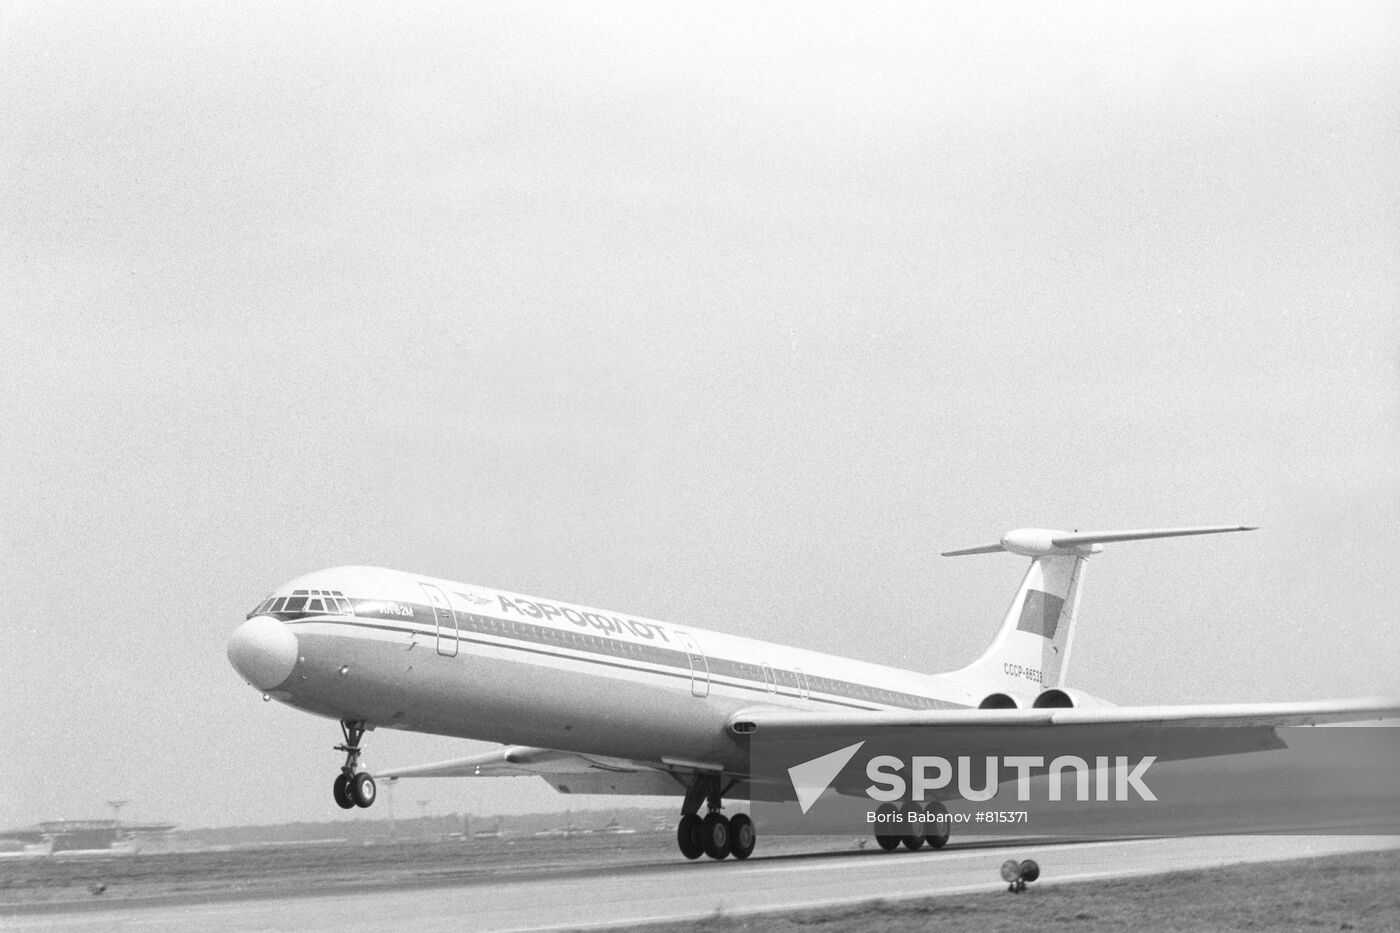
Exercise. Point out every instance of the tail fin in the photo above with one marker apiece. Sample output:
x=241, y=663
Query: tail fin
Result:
x=1031, y=650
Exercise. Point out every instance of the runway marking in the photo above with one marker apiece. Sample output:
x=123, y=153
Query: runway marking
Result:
x=882, y=860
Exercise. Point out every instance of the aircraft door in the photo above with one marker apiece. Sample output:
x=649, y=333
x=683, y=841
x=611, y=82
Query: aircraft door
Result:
x=446, y=620
x=699, y=666
x=804, y=689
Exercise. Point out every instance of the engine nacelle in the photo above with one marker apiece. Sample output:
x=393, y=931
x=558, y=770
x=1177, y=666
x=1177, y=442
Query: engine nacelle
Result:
x=999, y=701
x=1059, y=698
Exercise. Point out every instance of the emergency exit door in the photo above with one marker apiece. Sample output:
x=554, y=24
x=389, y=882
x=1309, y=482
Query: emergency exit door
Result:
x=446, y=620
x=699, y=667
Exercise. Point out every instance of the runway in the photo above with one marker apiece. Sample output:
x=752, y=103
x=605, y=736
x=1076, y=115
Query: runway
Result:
x=684, y=890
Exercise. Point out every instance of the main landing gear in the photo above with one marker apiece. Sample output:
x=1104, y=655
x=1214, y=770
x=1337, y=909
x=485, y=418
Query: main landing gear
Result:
x=353, y=787
x=923, y=825
x=714, y=835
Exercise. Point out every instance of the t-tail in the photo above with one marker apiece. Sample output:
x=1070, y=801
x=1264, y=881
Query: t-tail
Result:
x=1027, y=660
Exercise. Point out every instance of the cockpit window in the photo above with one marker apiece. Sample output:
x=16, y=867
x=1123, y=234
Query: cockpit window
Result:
x=320, y=602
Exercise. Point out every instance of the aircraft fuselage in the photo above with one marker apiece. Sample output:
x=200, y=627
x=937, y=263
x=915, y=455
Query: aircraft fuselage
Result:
x=402, y=651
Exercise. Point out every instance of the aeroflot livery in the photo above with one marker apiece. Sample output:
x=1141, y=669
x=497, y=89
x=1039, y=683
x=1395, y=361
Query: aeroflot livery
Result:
x=608, y=703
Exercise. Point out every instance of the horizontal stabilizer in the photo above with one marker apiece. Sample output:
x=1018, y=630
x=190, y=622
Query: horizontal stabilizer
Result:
x=1106, y=537
x=982, y=549
x=1040, y=542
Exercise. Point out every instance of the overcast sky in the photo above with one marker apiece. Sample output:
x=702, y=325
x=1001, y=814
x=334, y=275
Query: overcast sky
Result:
x=729, y=315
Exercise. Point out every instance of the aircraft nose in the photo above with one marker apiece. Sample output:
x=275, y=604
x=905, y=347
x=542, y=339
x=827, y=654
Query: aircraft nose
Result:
x=264, y=651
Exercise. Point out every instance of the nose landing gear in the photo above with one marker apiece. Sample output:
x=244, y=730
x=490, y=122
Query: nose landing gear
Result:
x=353, y=787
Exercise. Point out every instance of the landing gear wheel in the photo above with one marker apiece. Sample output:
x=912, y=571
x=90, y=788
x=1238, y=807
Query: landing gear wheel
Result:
x=714, y=830
x=885, y=817
x=941, y=827
x=353, y=788
x=688, y=837
x=341, y=790
x=914, y=825
x=362, y=789
x=742, y=836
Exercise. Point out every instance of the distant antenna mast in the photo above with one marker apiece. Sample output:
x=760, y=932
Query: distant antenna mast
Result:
x=116, y=806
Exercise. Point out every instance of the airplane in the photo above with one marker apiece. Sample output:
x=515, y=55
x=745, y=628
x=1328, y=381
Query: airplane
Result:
x=603, y=702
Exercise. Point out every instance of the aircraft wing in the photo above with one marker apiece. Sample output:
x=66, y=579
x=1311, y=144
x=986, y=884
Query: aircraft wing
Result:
x=1167, y=733
x=568, y=772
x=1237, y=715
x=517, y=760
x=1157, y=730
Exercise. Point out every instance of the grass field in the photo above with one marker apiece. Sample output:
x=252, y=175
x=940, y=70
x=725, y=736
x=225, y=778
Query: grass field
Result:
x=277, y=871
x=1345, y=892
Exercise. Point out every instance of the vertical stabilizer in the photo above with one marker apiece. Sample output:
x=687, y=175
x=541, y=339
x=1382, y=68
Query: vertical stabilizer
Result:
x=1031, y=650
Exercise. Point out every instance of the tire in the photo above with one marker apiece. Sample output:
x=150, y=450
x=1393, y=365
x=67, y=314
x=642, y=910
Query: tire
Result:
x=688, y=838
x=887, y=841
x=913, y=836
x=362, y=789
x=936, y=834
x=714, y=830
x=742, y=836
x=341, y=791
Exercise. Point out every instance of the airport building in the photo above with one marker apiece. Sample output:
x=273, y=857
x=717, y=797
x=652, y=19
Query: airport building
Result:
x=73, y=837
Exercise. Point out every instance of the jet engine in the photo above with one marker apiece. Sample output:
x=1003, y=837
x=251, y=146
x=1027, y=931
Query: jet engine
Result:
x=1060, y=698
x=999, y=701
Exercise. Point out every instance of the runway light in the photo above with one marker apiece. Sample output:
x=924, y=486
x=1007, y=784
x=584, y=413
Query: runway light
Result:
x=1019, y=874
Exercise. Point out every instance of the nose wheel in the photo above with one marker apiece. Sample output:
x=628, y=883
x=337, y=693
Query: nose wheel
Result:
x=341, y=790
x=353, y=787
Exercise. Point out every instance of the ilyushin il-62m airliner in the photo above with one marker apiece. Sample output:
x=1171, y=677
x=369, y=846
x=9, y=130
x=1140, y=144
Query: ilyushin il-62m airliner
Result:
x=602, y=702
